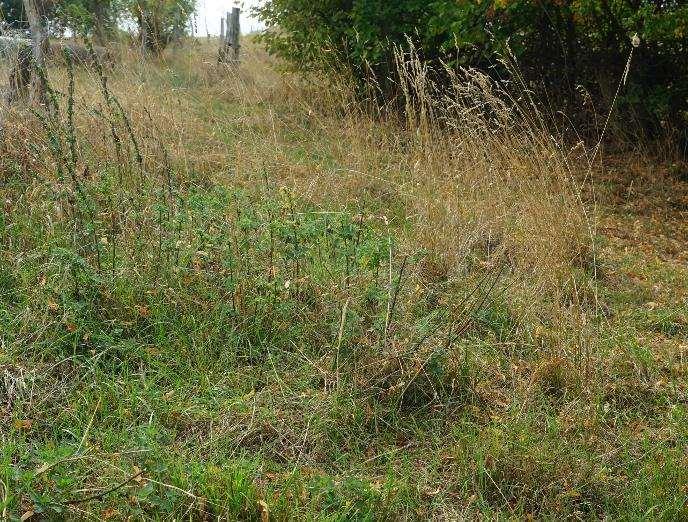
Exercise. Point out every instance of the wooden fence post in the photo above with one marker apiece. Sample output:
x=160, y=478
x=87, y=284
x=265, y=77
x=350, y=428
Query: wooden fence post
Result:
x=230, y=41
x=222, y=30
x=235, y=33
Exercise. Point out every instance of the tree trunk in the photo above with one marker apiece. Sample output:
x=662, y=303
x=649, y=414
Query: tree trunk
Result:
x=39, y=38
x=149, y=31
x=101, y=21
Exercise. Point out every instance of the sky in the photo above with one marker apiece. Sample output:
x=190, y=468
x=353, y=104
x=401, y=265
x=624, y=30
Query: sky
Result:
x=210, y=12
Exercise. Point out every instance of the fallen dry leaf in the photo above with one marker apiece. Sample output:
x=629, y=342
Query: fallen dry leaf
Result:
x=264, y=511
x=139, y=479
x=23, y=424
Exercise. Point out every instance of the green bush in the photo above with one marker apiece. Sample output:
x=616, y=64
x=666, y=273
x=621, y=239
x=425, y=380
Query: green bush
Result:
x=574, y=50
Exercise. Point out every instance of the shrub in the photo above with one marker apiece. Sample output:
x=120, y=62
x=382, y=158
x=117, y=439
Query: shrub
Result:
x=569, y=48
x=160, y=22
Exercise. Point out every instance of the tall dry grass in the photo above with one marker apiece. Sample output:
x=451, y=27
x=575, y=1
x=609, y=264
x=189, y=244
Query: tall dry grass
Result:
x=471, y=178
x=484, y=186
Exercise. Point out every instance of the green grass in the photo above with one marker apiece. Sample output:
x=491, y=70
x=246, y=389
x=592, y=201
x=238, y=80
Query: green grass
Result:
x=183, y=345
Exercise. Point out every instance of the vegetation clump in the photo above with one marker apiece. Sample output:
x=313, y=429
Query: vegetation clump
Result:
x=227, y=292
x=571, y=52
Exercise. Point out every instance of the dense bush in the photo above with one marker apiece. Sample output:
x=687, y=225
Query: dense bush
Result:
x=572, y=49
x=160, y=22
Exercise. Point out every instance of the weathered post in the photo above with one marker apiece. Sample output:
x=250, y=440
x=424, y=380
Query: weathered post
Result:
x=222, y=54
x=230, y=41
x=225, y=41
x=235, y=33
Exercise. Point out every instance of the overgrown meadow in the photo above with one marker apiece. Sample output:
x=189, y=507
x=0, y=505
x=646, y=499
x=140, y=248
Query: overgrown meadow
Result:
x=234, y=294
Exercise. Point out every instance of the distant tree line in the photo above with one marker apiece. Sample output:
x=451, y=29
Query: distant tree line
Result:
x=569, y=49
x=158, y=22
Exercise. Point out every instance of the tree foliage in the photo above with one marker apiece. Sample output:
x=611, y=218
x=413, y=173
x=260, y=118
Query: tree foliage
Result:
x=93, y=18
x=566, y=46
x=158, y=21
